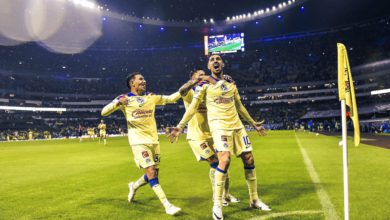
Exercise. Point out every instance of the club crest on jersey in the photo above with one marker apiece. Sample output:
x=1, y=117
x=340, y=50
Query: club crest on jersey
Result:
x=140, y=100
x=224, y=88
x=225, y=145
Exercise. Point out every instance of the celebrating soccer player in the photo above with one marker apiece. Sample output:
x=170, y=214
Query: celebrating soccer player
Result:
x=198, y=132
x=102, y=132
x=142, y=133
x=224, y=106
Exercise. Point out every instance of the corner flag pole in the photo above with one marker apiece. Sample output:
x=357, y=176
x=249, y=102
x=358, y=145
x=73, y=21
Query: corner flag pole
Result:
x=347, y=98
x=345, y=159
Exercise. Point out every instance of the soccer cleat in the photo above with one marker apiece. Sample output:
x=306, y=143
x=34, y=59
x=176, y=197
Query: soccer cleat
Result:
x=229, y=198
x=172, y=210
x=131, y=195
x=217, y=212
x=258, y=204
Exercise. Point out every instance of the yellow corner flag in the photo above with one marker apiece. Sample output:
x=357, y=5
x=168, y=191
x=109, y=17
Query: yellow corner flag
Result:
x=347, y=90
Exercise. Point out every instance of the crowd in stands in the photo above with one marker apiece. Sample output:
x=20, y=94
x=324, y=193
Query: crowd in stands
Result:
x=268, y=67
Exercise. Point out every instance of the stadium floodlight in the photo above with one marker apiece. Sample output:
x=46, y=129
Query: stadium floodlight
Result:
x=267, y=10
x=32, y=109
x=228, y=18
x=273, y=8
x=249, y=15
x=284, y=4
x=211, y=20
x=255, y=14
x=378, y=92
x=280, y=5
x=289, y=2
x=204, y=20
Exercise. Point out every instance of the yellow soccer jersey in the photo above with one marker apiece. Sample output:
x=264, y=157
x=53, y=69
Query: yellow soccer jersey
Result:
x=198, y=127
x=102, y=127
x=220, y=101
x=223, y=106
x=139, y=114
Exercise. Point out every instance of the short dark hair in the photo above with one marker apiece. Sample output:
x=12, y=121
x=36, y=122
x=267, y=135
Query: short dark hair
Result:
x=130, y=77
x=194, y=71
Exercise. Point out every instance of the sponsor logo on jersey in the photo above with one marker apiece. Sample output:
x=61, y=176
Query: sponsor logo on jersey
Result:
x=222, y=100
x=140, y=113
x=224, y=138
x=145, y=154
x=148, y=160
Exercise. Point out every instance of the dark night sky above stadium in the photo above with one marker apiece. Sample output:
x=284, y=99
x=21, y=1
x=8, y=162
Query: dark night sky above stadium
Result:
x=321, y=11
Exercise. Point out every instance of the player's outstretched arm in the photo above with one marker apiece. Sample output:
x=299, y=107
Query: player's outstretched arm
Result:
x=243, y=112
x=186, y=87
x=175, y=132
x=114, y=105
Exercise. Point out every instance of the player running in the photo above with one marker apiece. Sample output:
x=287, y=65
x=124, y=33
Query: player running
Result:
x=102, y=132
x=91, y=133
x=142, y=133
x=224, y=106
x=198, y=133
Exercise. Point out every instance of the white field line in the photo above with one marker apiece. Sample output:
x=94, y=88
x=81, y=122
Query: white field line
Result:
x=289, y=213
x=327, y=206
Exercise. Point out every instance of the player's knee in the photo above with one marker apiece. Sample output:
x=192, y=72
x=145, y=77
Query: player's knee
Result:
x=151, y=172
x=224, y=159
x=248, y=159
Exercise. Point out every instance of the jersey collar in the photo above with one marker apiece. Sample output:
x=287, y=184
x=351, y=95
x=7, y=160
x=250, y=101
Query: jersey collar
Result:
x=131, y=94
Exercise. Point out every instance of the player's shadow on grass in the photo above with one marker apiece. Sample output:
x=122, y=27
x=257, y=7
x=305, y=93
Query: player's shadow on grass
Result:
x=282, y=193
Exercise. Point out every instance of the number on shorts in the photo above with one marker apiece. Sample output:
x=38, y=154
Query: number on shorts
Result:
x=246, y=140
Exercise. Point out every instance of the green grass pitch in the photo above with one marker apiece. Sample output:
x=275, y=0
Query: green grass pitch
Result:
x=228, y=47
x=64, y=179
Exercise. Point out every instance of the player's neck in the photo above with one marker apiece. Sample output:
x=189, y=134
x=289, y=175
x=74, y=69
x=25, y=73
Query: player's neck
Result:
x=217, y=75
x=136, y=92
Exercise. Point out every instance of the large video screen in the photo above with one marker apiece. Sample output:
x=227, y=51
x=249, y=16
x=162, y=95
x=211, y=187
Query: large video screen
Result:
x=224, y=43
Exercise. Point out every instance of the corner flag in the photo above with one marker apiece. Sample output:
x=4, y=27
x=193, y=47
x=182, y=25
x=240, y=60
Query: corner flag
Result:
x=347, y=90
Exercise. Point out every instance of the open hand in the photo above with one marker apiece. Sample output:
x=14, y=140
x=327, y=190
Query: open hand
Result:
x=260, y=128
x=174, y=133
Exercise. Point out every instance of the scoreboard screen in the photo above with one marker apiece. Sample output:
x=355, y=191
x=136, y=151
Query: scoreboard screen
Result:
x=224, y=43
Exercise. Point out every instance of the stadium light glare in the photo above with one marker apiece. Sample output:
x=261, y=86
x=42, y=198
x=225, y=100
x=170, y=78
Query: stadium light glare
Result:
x=289, y=2
x=273, y=8
x=32, y=109
x=255, y=14
x=267, y=10
x=211, y=20
x=249, y=15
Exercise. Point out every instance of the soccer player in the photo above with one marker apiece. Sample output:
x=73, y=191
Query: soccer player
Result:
x=102, y=132
x=139, y=109
x=198, y=133
x=91, y=133
x=224, y=106
x=30, y=135
x=80, y=131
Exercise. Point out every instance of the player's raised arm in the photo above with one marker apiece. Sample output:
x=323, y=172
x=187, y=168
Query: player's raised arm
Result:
x=114, y=105
x=243, y=112
x=199, y=94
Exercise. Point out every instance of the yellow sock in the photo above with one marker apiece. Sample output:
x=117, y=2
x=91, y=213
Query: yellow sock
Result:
x=140, y=182
x=212, y=178
x=251, y=180
x=227, y=183
x=219, y=185
x=159, y=192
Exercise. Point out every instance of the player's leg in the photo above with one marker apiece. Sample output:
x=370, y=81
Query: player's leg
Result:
x=243, y=147
x=224, y=144
x=148, y=157
x=251, y=180
x=105, y=139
